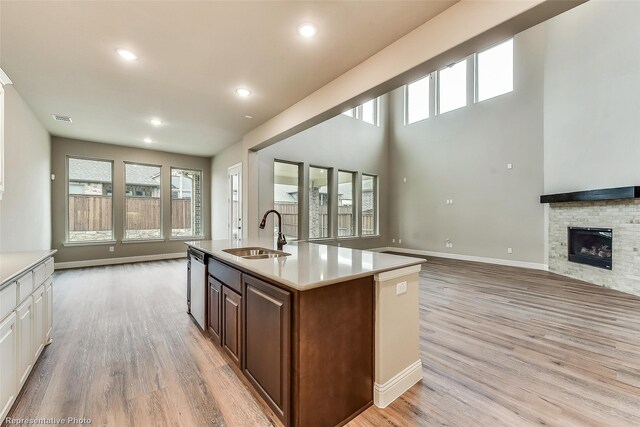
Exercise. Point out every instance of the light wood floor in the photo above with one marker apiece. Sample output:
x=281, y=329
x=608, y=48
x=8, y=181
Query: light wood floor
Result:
x=501, y=346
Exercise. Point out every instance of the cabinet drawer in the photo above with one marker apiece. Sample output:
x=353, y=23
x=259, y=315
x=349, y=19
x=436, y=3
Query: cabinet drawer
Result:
x=8, y=300
x=48, y=264
x=39, y=275
x=229, y=276
x=25, y=287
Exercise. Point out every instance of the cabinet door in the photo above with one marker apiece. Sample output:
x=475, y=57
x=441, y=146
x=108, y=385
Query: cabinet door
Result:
x=48, y=305
x=232, y=324
x=8, y=372
x=267, y=342
x=38, y=322
x=215, y=297
x=25, y=330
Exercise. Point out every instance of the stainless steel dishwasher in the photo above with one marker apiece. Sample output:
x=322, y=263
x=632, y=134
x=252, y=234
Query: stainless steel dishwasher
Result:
x=197, y=293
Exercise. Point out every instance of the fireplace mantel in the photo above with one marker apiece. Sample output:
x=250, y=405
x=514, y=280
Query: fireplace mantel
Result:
x=593, y=195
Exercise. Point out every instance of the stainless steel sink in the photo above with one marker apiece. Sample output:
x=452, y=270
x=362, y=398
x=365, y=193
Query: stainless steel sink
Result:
x=255, y=253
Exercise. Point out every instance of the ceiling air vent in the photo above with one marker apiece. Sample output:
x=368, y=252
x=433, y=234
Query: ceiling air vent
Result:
x=61, y=118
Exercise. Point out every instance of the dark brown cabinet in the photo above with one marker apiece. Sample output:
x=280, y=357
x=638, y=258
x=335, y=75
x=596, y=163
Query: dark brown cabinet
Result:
x=214, y=315
x=232, y=324
x=267, y=343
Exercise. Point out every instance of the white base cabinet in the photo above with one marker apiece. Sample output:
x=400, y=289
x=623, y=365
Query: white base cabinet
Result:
x=8, y=371
x=25, y=340
x=26, y=306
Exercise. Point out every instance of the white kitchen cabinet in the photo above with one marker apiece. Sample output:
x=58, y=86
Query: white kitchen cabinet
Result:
x=8, y=366
x=48, y=309
x=1, y=141
x=26, y=315
x=38, y=321
x=25, y=340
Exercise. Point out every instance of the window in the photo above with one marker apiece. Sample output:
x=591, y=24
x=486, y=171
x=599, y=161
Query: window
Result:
x=346, y=214
x=417, y=100
x=90, y=200
x=495, y=71
x=142, y=218
x=452, y=87
x=369, y=205
x=370, y=112
x=318, y=202
x=186, y=203
x=286, y=192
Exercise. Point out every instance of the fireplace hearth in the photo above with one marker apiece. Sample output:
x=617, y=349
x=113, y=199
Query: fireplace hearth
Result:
x=591, y=246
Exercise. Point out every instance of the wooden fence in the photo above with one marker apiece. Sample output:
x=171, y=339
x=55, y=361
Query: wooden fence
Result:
x=93, y=213
x=289, y=212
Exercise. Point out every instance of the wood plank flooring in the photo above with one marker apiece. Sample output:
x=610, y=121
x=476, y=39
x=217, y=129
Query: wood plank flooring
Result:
x=501, y=346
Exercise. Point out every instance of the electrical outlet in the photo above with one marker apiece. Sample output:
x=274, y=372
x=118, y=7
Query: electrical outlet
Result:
x=112, y=248
x=448, y=243
x=509, y=250
x=401, y=288
x=509, y=166
x=393, y=240
x=404, y=179
x=400, y=241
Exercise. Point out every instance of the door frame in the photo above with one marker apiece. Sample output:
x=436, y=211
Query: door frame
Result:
x=232, y=170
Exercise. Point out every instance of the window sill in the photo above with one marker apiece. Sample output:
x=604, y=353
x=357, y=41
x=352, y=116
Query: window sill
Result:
x=371, y=236
x=130, y=241
x=186, y=238
x=90, y=243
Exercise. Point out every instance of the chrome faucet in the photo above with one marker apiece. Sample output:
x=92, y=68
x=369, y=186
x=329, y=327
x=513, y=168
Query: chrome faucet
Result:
x=281, y=239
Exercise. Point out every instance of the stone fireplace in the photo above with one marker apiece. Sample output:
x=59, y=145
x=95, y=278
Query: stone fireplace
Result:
x=604, y=247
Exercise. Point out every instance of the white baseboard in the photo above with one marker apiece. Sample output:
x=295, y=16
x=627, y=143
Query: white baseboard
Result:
x=384, y=394
x=114, y=261
x=486, y=260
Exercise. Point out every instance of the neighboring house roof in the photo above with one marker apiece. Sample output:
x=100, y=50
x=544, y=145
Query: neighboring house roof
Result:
x=284, y=193
x=186, y=183
x=89, y=171
x=82, y=170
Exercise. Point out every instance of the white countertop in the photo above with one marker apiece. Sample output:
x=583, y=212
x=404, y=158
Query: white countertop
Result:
x=310, y=265
x=13, y=264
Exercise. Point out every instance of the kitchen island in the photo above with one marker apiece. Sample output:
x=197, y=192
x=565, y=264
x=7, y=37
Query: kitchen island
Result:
x=319, y=332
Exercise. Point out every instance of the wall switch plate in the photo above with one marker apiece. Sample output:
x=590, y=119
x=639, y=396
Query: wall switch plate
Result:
x=399, y=240
x=112, y=248
x=404, y=179
x=509, y=166
x=448, y=243
x=393, y=240
x=509, y=250
x=449, y=201
x=401, y=288
x=53, y=177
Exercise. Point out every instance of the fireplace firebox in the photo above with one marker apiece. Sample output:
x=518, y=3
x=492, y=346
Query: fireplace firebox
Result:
x=591, y=246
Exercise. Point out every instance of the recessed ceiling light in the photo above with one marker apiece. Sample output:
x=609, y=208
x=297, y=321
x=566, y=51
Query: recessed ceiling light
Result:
x=249, y=117
x=155, y=121
x=307, y=30
x=127, y=54
x=148, y=140
x=243, y=92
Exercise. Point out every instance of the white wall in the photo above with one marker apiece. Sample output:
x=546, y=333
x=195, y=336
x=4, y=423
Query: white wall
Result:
x=220, y=163
x=463, y=155
x=592, y=97
x=25, y=208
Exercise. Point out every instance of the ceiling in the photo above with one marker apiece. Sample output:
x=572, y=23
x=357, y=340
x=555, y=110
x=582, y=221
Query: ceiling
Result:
x=192, y=56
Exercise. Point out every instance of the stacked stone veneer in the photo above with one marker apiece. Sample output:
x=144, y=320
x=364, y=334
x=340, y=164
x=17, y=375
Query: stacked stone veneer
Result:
x=623, y=216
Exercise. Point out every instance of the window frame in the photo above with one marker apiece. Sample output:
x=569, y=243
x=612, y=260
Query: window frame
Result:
x=376, y=203
x=376, y=112
x=438, y=96
x=67, y=240
x=329, y=203
x=200, y=236
x=354, y=205
x=476, y=71
x=125, y=239
x=300, y=192
x=430, y=96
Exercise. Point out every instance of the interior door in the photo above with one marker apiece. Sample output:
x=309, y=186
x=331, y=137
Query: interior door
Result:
x=234, y=198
